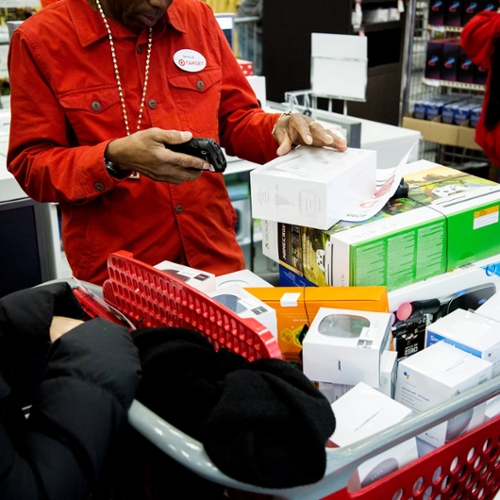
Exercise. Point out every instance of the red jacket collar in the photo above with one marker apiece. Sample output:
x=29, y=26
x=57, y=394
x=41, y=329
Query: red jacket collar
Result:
x=90, y=28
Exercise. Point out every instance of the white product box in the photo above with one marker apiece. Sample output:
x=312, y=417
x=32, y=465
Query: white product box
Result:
x=200, y=280
x=483, y=273
x=245, y=279
x=312, y=186
x=332, y=392
x=361, y=413
x=436, y=374
x=344, y=346
x=469, y=332
x=491, y=308
x=388, y=372
x=492, y=408
x=246, y=305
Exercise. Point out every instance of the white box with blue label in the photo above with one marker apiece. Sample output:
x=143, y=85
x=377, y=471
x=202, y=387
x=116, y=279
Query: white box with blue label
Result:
x=435, y=375
x=471, y=333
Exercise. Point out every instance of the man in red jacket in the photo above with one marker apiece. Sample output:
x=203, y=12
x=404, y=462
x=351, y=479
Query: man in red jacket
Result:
x=480, y=39
x=98, y=92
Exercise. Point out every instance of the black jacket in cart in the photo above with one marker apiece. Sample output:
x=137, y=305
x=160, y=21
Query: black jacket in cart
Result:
x=79, y=389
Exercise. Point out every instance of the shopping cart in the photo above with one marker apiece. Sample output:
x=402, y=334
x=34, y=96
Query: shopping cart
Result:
x=466, y=468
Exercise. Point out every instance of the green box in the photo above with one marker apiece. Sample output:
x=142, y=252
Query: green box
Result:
x=449, y=219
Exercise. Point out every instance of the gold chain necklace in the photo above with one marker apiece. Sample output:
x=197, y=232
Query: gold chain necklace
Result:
x=117, y=73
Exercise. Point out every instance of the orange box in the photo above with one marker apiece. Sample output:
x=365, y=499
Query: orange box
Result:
x=296, y=308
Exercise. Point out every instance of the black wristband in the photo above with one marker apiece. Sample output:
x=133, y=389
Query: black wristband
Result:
x=115, y=171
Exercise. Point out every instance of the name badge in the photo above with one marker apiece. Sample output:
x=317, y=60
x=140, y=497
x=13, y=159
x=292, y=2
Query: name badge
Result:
x=189, y=60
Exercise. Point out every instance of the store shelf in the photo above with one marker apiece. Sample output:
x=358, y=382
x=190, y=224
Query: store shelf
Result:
x=445, y=29
x=454, y=85
x=443, y=133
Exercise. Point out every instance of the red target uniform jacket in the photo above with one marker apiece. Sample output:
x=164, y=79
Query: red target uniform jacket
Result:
x=66, y=108
x=477, y=40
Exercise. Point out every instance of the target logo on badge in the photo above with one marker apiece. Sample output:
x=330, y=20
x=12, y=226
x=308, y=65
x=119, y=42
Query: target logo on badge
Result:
x=189, y=60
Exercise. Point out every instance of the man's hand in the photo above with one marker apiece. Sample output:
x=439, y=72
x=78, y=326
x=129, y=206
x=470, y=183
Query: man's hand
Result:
x=61, y=325
x=147, y=153
x=300, y=129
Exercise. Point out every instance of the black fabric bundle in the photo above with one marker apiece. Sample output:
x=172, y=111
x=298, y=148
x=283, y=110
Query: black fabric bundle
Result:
x=260, y=422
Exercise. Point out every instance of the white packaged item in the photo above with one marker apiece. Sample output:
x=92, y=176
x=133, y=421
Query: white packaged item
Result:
x=245, y=279
x=433, y=376
x=451, y=285
x=312, y=186
x=200, y=280
x=332, y=392
x=469, y=332
x=344, y=346
x=246, y=305
x=492, y=408
x=361, y=413
x=388, y=371
x=491, y=308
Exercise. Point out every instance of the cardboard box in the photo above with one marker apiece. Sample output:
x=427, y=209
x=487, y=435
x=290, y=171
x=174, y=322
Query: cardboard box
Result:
x=433, y=376
x=434, y=59
x=362, y=413
x=453, y=12
x=245, y=279
x=443, y=133
x=436, y=13
x=465, y=68
x=470, y=206
x=480, y=75
x=344, y=346
x=469, y=332
x=311, y=186
x=297, y=307
x=200, y=280
x=364, y=253
x=246, y=305
x=451, y=49
x=449, y=219
x=469, y=10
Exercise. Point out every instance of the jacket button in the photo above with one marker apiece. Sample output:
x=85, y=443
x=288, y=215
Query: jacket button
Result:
x=96, y=106
x=179, y=209
x=99, y=186
x=139, y=49
x=200, y=84
x=152, y=103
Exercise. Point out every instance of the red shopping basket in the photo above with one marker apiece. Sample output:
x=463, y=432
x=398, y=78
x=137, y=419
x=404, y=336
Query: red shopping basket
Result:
x=149, y=297
x=465, y=469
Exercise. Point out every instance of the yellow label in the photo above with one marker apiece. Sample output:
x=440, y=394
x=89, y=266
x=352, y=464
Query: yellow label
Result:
x=486, y=211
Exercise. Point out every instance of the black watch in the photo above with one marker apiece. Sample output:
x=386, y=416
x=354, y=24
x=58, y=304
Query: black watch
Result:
x=115, y=171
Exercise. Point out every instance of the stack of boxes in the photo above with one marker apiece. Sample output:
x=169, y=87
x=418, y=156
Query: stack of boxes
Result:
x=457, y=13
x=446, y=60
x=434, y=251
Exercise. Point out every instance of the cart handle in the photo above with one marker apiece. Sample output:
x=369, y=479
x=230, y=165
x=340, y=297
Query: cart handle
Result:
x=341, y=462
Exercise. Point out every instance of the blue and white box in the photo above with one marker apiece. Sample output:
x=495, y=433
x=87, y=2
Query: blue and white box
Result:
x=470, y=332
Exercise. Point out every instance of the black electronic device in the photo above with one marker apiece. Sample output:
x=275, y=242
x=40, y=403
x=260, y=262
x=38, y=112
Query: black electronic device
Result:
x=24, y=260
x=206, y=149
